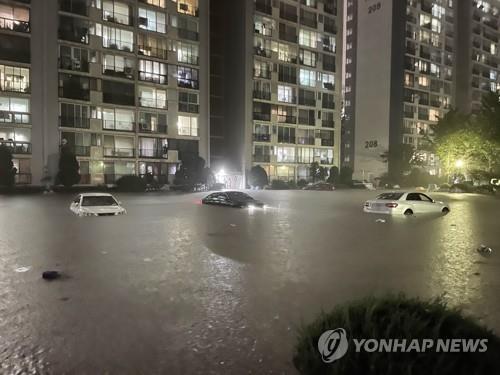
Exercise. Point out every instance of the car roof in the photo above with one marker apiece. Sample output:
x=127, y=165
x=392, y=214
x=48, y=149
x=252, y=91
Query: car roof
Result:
x=95, y=195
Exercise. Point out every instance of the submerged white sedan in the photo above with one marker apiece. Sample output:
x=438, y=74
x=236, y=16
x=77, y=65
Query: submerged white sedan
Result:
x=96, y=204
x=404, y=203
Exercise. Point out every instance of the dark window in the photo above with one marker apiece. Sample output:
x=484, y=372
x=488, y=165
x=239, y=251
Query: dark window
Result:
x=390, y=196
x=73, y=29
x=74, y=87
x=15, y=48
x=118, y=93
x=413, y=197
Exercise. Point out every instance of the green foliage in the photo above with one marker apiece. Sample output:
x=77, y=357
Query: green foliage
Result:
x=279, y=185
x=131, y=184
x=317, y=172
x=488, y=120
x=450, y=123
x=401, y=158
x=69, y=169
x=301, y=183
x=469, y=146
x=397, y=317
x=258, y=177
x=333, y=176
x=7, y=170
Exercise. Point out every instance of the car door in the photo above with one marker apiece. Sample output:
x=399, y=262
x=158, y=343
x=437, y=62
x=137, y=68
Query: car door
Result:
x=415, y=202
x=428, y=204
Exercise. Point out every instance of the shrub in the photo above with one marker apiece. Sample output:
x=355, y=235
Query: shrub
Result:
x=397, y=317
x=131, y=184
x=301, y=183
x=292, y=185
x=69, y=169
x=279, y=185
x=345, y=176
x=7, y=170
x=333, y=176
x=257, y=177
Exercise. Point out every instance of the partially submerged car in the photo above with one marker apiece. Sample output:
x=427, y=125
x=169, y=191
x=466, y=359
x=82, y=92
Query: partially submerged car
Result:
x=404, y=203
x=96, y=204
x=231, y=199
x=323, y=186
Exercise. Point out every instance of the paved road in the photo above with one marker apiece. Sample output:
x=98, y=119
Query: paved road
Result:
x=180, y=288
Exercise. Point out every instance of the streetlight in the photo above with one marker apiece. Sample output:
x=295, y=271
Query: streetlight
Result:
x=459, y=163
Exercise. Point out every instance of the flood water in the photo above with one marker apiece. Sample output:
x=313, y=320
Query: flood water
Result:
x=180, y=288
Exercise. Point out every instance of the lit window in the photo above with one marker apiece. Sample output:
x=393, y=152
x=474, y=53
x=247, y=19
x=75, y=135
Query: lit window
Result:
x=187, y=126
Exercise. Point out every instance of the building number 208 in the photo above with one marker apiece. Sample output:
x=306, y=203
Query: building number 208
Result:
x=371, y=144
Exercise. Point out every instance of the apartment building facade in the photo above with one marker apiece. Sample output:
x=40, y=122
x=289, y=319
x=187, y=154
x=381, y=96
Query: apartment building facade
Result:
x=123, y=83
x=282, y=87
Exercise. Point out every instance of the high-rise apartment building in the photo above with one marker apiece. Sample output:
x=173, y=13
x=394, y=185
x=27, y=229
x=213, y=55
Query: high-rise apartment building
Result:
x=282, y=86
x=478, y=64
x=123, y=83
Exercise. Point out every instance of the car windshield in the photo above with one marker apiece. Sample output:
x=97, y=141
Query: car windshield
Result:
x=390, y=196
x=99, y=201
x=239, y=196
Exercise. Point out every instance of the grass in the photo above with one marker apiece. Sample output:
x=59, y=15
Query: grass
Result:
x=397, y=317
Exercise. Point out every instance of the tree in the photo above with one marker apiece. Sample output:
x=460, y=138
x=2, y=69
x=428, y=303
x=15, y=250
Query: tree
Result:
x=401, y=159
x=7, y=170
x=258, y=177
x=334, y=175
x=467, y=150
x=69, y=169
x=191, y=171
x=451, y=122
x=317, y=172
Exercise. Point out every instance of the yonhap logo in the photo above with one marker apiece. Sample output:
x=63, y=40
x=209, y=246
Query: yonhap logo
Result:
x=333, y=345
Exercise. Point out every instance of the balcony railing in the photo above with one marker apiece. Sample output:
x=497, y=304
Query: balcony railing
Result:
x=261, y=137
x=288, y=140
x=289, y=16
x=118, y=45
x=262, y=158
x=327, y=142
x=264, y=52
x=307, y=101
x=14, y=117
x=121, y=126
x=119, y=18
x=74, y=122
x=263, y=95
x=287, y=119
x=74, y=93
x=81, y=150
x=22, y=178
x=153, y=153
x=262, y=116
x=148, y=128
x=127, y=72
x=305, y=140
x=327, y=123
x=261, y=6
x=307, y=121
x=188, y=34
x=188, y=83
x=17, y=147
x=73, y=64
x=326, y=161
x=160, y=79
x=152, y=51
x=189, y=108
x=14, y=25
x=119, y=152
x=153, y=103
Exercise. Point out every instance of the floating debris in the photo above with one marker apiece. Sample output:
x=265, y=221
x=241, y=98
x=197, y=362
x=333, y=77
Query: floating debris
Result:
x=484, y=250
x=23, y=269
x=51, y=275
x=380, y=221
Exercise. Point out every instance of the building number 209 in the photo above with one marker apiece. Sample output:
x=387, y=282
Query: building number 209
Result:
x=371, y=144
x=373, y=8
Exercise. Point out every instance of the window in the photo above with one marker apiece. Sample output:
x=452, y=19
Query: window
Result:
x=74, y=87
x=307, y=97
x=74, y=115
x=286, y=94
x=188, y=102
x=153, y=71
x=157, y=3
x=286, y=114
x=308, y=58
x=187, y=78
x=287, y=74
x=187, y=53
x=189, y=7
x=262, y=69
x=73, y=29
x=308, y=38
x=14, y=110
x=261, y=111
x=117, y=66
x=262, y=90
x=152, y=21
x=73, y=58
x=307, y=77
x=287, y=53
x=264, y=25
x=118, y=119
x=14, y=18
x=152, y=122
x=120, y=93
x=117, y=38
x=285, y=154
x=14, y=78
x=286, y=135
x=187, y=126
x=116, y=12
x=148, y=45
x=328, y=81
x=305, y=155
x=187, y=27
x=152, y=97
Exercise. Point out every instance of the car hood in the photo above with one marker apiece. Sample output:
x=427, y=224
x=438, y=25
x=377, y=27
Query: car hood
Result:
x=102, y=209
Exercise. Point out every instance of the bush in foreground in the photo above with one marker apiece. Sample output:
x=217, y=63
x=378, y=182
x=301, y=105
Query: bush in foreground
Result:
x=131, y=184
x=397, y=317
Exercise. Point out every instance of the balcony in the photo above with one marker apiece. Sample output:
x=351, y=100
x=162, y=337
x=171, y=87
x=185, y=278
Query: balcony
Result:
x=287, y=119
x=192, y=84
x=153, y=103
x=263, y=52
x=261, y=6
x=152, y=51
x=262, y=116
x=188, y=34
x=257, y=137
x=328, y=124
x=309, y=21
x=14, y=25
x=80, y=150
x=189, y=108
x=327, y=142
x=121, y=152
x=118, y=45
x=127, y=73
x=74, y=93
x=265, y=74
x=121, y=126
x=263, y=95
x=311, y=102
x=7, y=117
x=289, y=37
x=261, y=158
x=22, y=178
x=326, y=161
x=74, y=122
x=149, y=128
x=74, y=6
x=289, y=16
x=21, y=148
x=151, y=153
x=73, y=65
x=118, y=18
x=305, y=140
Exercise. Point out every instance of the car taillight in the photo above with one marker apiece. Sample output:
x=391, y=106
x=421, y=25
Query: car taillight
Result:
x=391, y=205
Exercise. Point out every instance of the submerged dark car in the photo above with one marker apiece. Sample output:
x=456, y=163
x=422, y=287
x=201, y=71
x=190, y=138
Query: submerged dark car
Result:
x=232, y=199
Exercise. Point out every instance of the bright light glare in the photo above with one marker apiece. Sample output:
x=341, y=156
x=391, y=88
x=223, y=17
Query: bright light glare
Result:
x=459, y=163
